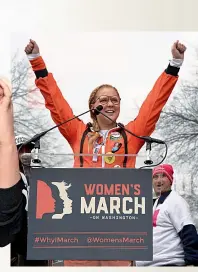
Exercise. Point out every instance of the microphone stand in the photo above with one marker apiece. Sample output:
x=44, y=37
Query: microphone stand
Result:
x=36, y=162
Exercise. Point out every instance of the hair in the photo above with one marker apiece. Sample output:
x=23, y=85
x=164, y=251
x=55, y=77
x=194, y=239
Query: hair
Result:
x=96, y=128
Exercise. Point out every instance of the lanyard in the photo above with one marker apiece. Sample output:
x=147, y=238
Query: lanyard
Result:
x=96, y=151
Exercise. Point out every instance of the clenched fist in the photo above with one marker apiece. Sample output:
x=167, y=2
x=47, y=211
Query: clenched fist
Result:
x=32, y=48
x=178, y=50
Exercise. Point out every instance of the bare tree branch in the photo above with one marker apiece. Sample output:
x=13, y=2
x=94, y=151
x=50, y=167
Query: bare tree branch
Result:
x=28, y=119
x=178, y=126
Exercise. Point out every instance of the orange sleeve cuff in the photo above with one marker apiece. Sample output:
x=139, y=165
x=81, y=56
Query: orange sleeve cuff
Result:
x=38, y=64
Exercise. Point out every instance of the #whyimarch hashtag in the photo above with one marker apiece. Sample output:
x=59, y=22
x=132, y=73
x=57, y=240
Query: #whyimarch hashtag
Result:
x=54, y=240
x=36, y=239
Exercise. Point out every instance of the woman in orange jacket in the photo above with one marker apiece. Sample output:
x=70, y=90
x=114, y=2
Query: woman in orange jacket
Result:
x=102, y=136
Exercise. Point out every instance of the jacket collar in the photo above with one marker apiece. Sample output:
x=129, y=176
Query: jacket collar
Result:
x=163, y=197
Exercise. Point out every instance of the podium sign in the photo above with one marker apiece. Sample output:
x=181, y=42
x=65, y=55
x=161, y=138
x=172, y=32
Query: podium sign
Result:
x=90, y=214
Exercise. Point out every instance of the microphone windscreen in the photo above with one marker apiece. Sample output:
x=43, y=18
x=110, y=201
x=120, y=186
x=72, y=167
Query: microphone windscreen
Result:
x=98, y=109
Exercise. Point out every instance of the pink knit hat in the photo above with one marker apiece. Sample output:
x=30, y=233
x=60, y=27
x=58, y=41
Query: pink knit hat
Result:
x=167, y=169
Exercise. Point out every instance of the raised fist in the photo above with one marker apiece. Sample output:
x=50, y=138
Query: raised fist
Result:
x=178, y=50
x=32, y=48
x=5, y=94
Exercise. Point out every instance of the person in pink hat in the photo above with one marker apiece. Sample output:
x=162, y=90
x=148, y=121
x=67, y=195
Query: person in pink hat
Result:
x=162, y=178
x=175, y=238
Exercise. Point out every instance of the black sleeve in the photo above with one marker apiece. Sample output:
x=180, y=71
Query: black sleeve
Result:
x=171, y=70
x=41, y=73
x=12, y=212
x=189, y=238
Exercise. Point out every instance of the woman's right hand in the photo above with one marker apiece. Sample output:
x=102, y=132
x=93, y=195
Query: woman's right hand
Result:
x=32, y=48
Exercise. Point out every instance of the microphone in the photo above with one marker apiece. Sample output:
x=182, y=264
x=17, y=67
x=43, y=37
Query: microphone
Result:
x=36, y=138
x=98, y=109
x=145, y=138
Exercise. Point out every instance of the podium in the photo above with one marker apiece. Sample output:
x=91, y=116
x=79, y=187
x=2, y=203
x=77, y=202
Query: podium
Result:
x=98, y=212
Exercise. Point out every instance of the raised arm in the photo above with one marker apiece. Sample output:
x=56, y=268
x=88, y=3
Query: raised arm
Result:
x=12, y=201
x=54, y=101
x=9, y=164
x=151, y=108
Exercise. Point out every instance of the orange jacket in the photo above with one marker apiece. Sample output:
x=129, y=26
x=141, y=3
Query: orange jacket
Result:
x=73, y=131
